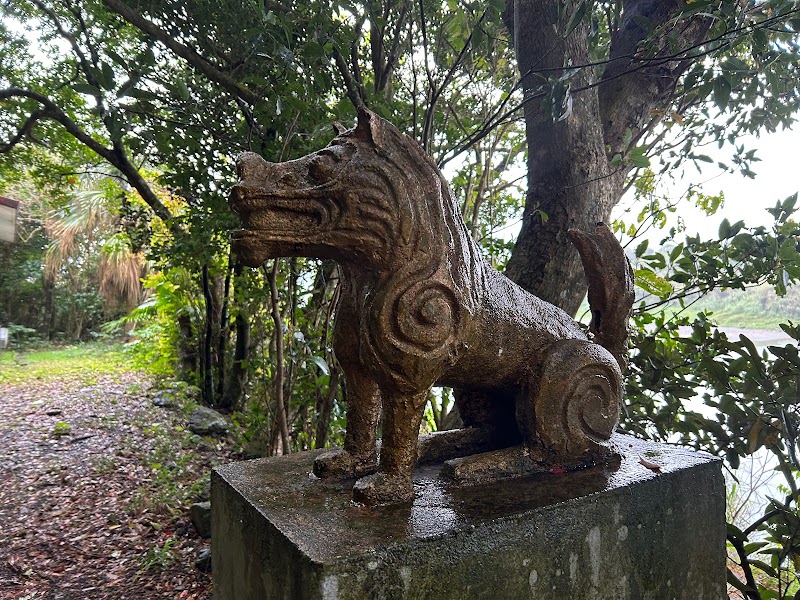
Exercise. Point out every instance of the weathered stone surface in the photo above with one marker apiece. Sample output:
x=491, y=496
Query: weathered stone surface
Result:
x=163, y=399
x=419, y=305
x=203, y=560
x=200, y=513
x=207, y=421
x=600, y=533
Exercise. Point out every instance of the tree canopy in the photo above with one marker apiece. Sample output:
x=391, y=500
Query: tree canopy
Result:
x=544, y=112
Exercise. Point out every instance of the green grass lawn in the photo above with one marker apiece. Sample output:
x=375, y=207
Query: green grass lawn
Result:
x=82, y=361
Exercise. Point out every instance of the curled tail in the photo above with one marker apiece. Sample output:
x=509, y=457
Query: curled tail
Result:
x=611, y=295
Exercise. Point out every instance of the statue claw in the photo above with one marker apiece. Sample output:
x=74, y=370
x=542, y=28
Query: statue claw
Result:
x=340, y=463
x=380, y=488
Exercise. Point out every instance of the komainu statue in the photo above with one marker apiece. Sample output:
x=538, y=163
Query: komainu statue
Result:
x=419, y=306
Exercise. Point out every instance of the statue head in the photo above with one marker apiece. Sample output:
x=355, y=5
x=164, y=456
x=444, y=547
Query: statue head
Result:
x=359, y=200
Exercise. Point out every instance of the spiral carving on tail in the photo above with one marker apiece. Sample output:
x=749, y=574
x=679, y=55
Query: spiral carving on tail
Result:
x=576, y=404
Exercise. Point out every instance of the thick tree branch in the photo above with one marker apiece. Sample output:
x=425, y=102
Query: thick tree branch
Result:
x=115, y=155
x=188, y=54
x=24, y=131
x=631, y=101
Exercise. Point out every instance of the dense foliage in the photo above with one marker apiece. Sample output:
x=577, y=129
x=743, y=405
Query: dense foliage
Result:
x=137, y=109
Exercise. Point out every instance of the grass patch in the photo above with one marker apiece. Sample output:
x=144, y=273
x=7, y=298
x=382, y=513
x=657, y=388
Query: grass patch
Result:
x=85, y=361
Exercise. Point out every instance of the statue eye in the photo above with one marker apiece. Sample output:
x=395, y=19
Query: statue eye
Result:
x=320, y=169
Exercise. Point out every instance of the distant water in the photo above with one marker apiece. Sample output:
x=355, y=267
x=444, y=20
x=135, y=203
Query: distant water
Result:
x=757, y=478
x=760, y=337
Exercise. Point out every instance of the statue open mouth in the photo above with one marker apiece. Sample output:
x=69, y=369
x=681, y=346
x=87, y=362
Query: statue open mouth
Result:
x=282, y=218
x=271, y=221
x=266, y=212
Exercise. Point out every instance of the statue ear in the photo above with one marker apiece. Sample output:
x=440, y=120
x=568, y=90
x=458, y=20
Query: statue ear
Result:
x=368, y=127
x=338, y=128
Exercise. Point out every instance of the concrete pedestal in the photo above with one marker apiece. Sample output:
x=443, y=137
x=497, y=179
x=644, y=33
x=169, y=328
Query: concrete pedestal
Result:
x=603, y=533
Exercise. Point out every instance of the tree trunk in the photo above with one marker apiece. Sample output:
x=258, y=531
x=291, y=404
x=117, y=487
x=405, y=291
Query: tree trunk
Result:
x=237, y=377
x=279, y=378
x=48, y=326
x=571, y=180
x=223, y=338
x=237, y=381
x=187, y=349
x=324, y=409
x=207, y=364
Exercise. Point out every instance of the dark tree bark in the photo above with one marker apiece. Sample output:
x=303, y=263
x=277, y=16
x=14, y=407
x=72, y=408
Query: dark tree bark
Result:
x=237, y=377
x=222, y=340
x=237, y=381
x=324, y=409
x=206, y=362
x=49, y=316
x=571, y=180
x=187, y=348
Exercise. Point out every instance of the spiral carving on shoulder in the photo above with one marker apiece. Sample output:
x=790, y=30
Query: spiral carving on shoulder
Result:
x=421, y=319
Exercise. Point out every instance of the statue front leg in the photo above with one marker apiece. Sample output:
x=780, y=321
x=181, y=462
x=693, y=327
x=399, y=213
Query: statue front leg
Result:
x=402, y=414
x=359, y=455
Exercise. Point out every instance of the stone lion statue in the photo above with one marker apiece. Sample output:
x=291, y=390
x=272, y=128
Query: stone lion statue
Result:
x=419, y=306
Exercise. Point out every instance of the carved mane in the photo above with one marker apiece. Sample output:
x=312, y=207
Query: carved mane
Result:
x=434, y=268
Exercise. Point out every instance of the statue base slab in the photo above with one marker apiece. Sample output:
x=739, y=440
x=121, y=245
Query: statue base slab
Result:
x=650, y=526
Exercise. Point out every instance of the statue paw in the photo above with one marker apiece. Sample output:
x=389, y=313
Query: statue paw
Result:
x=380, y=488
x=340, y=463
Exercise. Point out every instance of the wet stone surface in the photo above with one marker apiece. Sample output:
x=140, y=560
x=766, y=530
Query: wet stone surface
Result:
x=498, y=532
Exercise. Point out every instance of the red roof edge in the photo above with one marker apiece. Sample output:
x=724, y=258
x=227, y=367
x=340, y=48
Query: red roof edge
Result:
x=8, y=202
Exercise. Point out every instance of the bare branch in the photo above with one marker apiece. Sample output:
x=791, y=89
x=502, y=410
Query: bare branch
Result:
x=188, y=54
x=352, y=90
x=116, y=155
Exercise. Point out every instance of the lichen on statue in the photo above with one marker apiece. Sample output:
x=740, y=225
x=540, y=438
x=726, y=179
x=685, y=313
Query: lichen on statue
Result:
x=419, y=306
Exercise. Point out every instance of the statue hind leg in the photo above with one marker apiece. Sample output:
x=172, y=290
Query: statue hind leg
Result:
x=574, y=402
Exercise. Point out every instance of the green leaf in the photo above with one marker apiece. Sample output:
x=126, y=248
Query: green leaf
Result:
x=764, y=567
x=577, y=16
x=653, y=283
x=320, y=362
x=725, y=230
x=85, y=88
x=108, y=77
x=639, y=157
x=117, y=58
x=716, y=370
x=738, y=583
x=722, y=92
x=732, y=457
x=643, y=22
x=734, y=532
x=626, y=139
x=754, y=546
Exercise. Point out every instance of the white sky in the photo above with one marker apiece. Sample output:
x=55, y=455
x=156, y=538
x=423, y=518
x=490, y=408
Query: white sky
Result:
x=777, y=177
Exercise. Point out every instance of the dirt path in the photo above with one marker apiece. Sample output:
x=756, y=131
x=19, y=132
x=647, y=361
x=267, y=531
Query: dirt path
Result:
x=95, y=484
